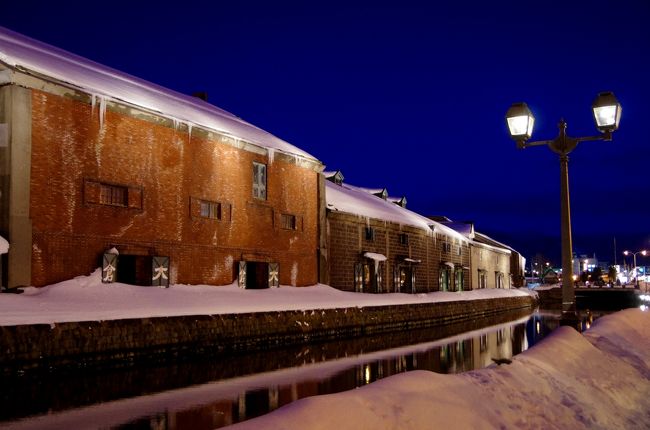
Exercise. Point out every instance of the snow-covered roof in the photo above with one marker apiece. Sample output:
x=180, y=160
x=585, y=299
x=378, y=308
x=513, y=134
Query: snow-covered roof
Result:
x=42, y=60
x=398, y=200
x=488, y=241
x=334, y=176
x=353, y=200
x=464, y=228
x=374, y=191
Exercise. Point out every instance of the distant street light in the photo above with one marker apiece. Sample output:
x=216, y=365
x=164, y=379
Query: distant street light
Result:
x=636, y=274
x=520, y=120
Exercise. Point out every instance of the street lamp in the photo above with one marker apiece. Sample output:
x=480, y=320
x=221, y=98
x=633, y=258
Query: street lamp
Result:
x=636, y=274
x=520, y=120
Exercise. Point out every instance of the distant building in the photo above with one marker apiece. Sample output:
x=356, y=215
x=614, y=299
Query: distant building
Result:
x=376, y=245
x=175, y=189
x=550, y=276
x=584, y=263
x=493, y=264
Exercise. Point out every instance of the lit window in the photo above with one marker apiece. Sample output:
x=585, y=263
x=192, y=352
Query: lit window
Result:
x=259, y=181
x=482, y=279
x=458, y=279
x=210, y=209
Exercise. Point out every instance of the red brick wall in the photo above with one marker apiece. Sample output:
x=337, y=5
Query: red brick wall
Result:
x=346, y=241
x=70, y=234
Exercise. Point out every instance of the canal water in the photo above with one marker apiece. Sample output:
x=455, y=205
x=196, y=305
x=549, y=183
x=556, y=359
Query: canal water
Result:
x=216, y=391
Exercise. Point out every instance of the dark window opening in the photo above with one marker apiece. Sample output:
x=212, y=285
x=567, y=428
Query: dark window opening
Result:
x=257, y=403
x=134, y=269
x=404, y=239
x=370, y=234
x=257, y=275
x=113, y=195
x=288, y=221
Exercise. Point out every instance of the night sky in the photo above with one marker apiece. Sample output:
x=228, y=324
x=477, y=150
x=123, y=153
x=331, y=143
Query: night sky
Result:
x=410, y=96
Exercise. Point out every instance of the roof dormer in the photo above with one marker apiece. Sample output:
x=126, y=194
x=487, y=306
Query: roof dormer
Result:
x=334, y=176
x=399, y=201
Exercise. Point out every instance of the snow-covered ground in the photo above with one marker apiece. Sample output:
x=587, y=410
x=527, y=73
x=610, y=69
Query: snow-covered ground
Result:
x=85, y=298
x=598, y=380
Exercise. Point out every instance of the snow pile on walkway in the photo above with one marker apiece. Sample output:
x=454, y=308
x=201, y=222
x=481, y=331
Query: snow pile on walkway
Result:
x=85, y=298
x=597, y=381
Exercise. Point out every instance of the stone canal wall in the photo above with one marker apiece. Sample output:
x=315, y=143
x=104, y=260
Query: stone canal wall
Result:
x=96, y=342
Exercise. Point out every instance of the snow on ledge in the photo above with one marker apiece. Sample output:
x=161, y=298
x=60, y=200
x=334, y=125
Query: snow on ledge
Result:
x=374, y=256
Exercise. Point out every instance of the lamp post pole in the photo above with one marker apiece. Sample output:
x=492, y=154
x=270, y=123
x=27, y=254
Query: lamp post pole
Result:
x=607, y=114
x=636, y=273
x=568, y=292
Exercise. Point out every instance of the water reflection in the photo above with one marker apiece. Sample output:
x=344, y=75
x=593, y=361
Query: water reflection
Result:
x=220, y=391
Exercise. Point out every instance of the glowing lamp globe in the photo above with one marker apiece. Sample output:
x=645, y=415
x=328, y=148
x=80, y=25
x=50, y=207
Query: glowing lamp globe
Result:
x=520, y=122
x=607, y=112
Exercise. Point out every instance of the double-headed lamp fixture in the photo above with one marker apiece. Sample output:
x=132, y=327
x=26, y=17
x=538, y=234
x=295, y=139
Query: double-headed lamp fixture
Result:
x=606, y=110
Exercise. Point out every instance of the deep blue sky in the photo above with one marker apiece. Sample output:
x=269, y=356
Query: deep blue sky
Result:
x=410, y=95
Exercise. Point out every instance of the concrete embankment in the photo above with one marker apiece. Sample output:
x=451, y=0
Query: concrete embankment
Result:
x=96, y=342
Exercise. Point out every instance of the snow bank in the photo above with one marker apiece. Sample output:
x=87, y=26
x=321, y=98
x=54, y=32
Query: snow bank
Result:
x=599, y=380
x=85, y=298
x=4, y=245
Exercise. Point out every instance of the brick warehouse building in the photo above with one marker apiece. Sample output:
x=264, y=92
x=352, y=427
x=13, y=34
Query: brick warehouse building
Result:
x=92, y=160
x=374, y=244
x=493, y=264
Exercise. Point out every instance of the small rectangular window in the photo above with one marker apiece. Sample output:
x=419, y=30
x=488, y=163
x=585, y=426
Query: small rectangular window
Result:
x=446, y=247
x=459, y=250
x=288, y=221
x=113, y=195
x=404, y=239
x=259, y=181
x=370, y=234
x=210, y=209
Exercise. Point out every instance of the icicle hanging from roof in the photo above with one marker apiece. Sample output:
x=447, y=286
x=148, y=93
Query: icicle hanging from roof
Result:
x=102, y=110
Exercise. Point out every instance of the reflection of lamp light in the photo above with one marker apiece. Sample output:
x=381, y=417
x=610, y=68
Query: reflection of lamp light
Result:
x=520, y=121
